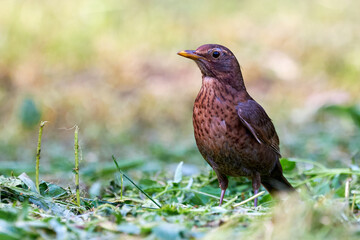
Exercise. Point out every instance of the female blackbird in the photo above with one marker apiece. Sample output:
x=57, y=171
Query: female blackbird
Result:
x=232, y=131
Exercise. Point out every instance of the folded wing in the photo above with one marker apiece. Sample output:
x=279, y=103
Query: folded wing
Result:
x=255, y=119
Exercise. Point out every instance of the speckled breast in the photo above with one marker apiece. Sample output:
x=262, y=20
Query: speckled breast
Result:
x=221, y=138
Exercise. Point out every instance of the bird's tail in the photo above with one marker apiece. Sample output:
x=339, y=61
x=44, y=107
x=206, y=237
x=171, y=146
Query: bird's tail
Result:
x=276, y=182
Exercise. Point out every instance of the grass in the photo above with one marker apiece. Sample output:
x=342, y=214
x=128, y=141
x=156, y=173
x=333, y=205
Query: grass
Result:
x=175, y=206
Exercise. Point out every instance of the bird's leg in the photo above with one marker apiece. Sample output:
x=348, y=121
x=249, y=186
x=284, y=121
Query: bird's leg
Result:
x=256, y=181
x=223, y=182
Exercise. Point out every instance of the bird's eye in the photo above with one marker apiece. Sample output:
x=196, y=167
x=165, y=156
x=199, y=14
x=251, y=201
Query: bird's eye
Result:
x=216, y=54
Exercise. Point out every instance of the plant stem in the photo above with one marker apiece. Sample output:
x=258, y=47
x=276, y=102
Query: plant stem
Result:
x=353, y=203
x=76, y=148
x=147, y=195
x=230, y=202
x=249, y=199
x=163, y=192
x=122, y=187
x=38, y=150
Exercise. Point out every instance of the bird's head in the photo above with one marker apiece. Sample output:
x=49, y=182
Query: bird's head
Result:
x=216, y=61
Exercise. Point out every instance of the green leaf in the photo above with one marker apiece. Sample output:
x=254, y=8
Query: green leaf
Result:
x=28, y=182
x=45, y=203
x=52, y=190
x=265, y=198
x=287, y=164
x=10, y=182
x=178, y=173
x=198, y=199
x=211, y=190
x=340, y=192
x=150, y=185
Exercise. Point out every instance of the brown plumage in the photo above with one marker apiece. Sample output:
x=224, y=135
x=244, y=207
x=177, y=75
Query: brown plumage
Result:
x=232, y=131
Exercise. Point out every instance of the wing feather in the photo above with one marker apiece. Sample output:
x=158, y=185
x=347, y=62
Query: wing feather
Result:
x=255, y=119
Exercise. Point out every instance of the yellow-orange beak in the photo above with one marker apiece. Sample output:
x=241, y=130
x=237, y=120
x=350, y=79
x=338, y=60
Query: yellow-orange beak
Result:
x=190, y=54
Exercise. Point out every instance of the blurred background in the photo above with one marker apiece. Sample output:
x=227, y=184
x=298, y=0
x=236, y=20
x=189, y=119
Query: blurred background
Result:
x=111, y=68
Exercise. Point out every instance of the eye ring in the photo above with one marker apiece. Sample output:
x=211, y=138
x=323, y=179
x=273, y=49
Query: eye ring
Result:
x=216, y=54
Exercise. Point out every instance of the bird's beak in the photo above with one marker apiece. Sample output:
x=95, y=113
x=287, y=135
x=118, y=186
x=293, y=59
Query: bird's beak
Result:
x=190, y=54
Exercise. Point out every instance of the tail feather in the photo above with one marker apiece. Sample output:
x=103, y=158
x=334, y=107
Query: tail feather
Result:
x=276, y=182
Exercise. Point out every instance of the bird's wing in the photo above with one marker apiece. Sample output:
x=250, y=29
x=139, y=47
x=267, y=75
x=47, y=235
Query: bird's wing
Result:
x=255, y=119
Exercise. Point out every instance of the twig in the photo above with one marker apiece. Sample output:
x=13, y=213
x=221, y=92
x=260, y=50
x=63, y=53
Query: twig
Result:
x=230, y=202
x=38, y=150
x=118, y=168
x=249, y=199
x=76, y=148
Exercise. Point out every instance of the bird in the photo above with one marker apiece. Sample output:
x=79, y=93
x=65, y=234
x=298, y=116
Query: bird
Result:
x=233, y=132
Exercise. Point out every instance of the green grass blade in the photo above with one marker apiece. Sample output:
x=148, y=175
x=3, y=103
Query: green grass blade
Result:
x=117, y=166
